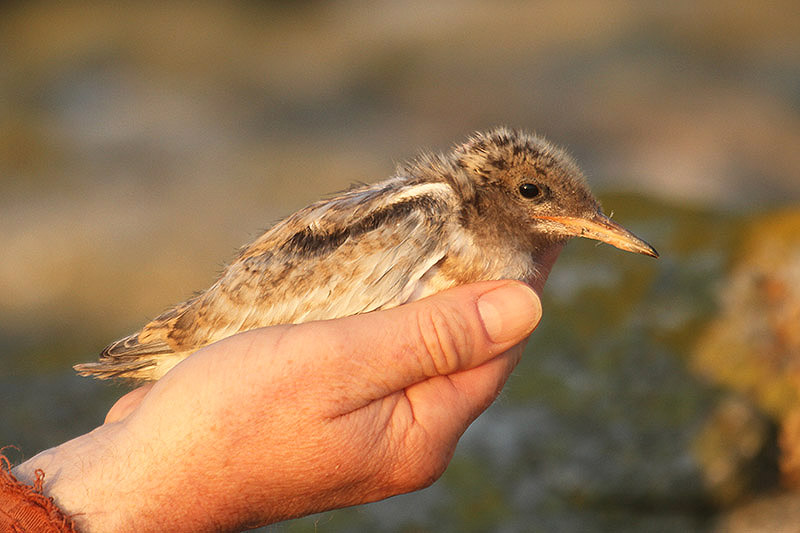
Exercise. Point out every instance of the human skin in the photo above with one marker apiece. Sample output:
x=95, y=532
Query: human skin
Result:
x=286, y=421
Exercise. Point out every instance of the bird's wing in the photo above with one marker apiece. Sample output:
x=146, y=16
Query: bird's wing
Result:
x=361, y=251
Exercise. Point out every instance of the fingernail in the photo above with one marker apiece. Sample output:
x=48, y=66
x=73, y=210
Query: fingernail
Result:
x=510, y=312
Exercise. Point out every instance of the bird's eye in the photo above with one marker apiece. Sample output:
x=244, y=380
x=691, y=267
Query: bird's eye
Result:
x=529, y=190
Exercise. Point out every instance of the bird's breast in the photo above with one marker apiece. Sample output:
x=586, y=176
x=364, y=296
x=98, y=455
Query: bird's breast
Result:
x=467, y=262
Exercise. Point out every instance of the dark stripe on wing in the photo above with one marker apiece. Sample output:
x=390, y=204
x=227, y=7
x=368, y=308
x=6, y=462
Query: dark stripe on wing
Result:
x=312, y=243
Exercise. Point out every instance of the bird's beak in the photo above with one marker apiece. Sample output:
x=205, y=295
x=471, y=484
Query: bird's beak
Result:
x=602, y=228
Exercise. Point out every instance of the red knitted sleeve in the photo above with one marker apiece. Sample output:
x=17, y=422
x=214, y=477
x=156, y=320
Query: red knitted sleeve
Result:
x=25, y=508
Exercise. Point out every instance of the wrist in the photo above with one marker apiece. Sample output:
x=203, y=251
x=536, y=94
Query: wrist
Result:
x=112, y=479
x=83, y=476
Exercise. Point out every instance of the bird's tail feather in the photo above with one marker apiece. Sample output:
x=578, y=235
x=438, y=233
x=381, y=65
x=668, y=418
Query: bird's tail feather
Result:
x=118, y=368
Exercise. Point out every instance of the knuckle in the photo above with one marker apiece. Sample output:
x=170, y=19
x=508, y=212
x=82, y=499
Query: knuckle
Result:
x=426, y=473
x=444, y=339
x=417, y=468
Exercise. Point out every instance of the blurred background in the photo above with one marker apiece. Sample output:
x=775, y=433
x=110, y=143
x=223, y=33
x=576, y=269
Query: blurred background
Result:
x=142, y=143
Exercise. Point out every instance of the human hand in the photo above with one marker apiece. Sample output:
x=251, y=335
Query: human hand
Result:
x=289, y=420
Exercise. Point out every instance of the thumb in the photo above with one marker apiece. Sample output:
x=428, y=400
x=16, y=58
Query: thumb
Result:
x=455, y=330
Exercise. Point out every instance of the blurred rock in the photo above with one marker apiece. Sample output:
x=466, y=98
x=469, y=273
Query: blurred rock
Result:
x=734, y=448
x=774, y=513
x=790, y=447
x=753, y=347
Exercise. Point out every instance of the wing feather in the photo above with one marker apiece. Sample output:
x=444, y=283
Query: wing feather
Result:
x=361, y=251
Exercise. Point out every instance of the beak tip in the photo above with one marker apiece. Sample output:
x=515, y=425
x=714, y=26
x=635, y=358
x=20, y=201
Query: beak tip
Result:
x=652, y=252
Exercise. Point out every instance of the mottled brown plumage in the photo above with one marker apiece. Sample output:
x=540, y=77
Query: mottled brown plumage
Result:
x=487, y=210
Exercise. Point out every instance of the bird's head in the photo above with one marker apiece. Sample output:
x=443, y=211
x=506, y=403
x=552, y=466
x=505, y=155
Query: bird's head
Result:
x=533, y=190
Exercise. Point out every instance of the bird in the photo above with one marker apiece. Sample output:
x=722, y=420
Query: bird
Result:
x=491, y=208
